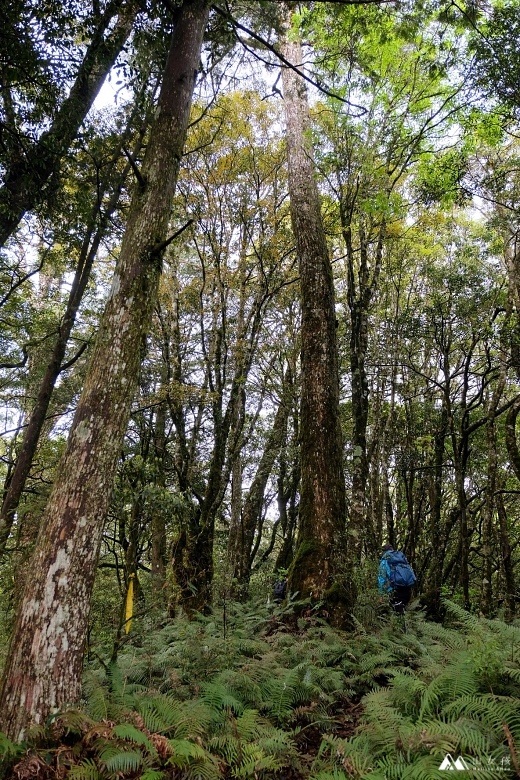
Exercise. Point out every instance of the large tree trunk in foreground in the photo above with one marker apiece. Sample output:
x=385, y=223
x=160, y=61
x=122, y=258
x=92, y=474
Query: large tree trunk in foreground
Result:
x=43, y=669
x=320, y=555
x=26, y=180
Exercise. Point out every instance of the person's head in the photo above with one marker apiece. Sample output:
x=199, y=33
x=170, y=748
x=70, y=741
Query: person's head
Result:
x=386, y=548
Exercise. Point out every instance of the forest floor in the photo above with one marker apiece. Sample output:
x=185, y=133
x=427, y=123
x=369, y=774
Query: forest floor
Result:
x=248, y=698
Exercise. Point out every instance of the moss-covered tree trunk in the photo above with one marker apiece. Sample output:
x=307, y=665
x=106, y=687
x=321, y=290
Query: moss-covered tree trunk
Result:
x=43, y=668
x=320, y=554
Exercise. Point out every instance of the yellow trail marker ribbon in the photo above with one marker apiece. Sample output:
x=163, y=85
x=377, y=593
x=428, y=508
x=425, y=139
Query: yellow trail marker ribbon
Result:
x=129, y=605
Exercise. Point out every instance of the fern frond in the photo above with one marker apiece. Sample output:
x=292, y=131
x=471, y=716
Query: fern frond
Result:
x=458, y=679
x=243, y=684
x=493, y=711
x=165, y=715
x=195, y=762
x=152, y=774
x=86, y=770
x=73, y=721
x=116, y=759
x=184, y=751
x=256, y=765
x=250, y=725
x=8, y=749
x=513, y=673
x=129, y=732
x=218, y=696
x=227, y=746
x=96, y=695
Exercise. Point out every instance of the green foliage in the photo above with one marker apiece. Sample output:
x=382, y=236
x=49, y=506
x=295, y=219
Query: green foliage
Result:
x=413, y=696
x=8, y=749
x=442, y=700
x=496, y=51
x=440, y=178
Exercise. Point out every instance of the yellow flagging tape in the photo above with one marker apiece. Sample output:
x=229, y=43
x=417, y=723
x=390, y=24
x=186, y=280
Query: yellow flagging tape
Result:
x=129, y=606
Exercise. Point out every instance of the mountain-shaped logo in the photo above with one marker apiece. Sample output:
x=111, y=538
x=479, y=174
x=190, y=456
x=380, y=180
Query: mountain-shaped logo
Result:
x=454, y=763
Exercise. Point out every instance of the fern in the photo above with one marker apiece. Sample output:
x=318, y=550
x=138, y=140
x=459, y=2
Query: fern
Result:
x=8, y=749
x=193, y=702
x=116, y=760
x=218, y=696
x=168, y=716
x=458, y=679
x=86, y=770
x=152, y=774
x=196, y=762
x=256, y=764
x=128, y=732
x=96, y=695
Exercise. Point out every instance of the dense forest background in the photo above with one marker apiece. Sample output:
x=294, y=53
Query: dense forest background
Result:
x=259, y=315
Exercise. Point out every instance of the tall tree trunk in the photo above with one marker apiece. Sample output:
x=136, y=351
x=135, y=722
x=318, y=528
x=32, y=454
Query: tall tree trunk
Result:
x=43, y=668
x=511, y=442
x=287, y=501
x=321, y=547
x=506, y=558
x=193, y=567
x=488, y=533
x=158, y=551
x=438, y=540
x=25, y=182
x=359, y=298
x=242, y=542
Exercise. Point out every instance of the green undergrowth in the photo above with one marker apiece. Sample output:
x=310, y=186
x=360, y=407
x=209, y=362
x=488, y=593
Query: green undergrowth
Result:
x=255, y=698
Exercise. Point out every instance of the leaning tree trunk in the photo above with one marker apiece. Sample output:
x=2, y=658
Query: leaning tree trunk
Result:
x=43, y=668
x=320, y=553
x=25, y=181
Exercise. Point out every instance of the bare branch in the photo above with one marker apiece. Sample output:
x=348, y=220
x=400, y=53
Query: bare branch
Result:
x=238, y=26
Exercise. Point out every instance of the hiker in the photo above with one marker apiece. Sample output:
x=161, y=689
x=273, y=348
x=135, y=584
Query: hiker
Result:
x=279, y=590
x=395, y=578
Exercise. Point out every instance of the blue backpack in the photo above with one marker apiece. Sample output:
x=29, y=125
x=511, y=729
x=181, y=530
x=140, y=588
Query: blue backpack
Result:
x=401, y=573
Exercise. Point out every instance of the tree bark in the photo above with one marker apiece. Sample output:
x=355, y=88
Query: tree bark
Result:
x=315, y=569
x=511, y=442
x=193, y=563
x=241, y=541
x=507, y=558
x=43, y=668
x=438, y=538
x=287, y=499
x=359, y=298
